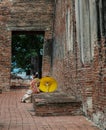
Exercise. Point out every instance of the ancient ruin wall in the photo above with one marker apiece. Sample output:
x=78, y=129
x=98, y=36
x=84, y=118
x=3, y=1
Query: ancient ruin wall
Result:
x=20, y=15
x=5, y=46
x=79, y=65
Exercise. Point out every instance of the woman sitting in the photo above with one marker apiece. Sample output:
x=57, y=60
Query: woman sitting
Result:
x=34, y=88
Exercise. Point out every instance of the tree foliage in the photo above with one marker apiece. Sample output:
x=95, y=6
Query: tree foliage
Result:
x=23, y=48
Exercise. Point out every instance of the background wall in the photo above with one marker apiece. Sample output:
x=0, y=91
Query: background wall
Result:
x=5, y=46
x=20, y=15
x=79, y=55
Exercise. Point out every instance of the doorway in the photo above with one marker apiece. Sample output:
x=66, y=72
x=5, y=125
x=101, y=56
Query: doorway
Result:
x=27, y=52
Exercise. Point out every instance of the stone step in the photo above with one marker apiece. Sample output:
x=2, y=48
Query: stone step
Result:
x=56, y=103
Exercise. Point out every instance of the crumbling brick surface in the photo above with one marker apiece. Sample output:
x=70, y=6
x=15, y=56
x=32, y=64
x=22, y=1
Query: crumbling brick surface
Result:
x=84, y=80
x=21, y=15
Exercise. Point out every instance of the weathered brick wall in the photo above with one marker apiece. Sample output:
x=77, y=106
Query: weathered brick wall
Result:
x=84, y=80
x=5, y=46
x=19, y=83
x=99, y=88
x=59, y=44
x=65, y=61
x=47, y=52
x=21, y=15
x=31, y=15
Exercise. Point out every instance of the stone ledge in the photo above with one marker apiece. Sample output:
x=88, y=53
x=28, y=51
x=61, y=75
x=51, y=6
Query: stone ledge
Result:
x=56, y=103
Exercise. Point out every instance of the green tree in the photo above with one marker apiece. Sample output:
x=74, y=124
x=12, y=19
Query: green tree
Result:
x=23, y=48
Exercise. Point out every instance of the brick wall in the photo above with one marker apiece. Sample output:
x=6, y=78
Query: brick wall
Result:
x=99, y=88
x=31, y=15
x=20, y=15
x=5, y=47
x=85, y=80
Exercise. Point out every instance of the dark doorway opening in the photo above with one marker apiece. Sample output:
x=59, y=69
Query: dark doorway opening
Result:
x=27, y=51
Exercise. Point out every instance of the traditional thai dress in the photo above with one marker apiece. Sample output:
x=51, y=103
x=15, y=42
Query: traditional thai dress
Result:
x=33, y=89
x=34, y=85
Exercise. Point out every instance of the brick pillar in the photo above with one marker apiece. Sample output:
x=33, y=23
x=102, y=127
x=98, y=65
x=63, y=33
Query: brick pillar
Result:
x=5, y=47
x=47, y=54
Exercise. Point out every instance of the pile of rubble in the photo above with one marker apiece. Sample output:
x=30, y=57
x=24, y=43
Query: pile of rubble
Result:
x=19, y=82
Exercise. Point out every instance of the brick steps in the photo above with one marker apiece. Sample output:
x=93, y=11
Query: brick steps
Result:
x=53, y=104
